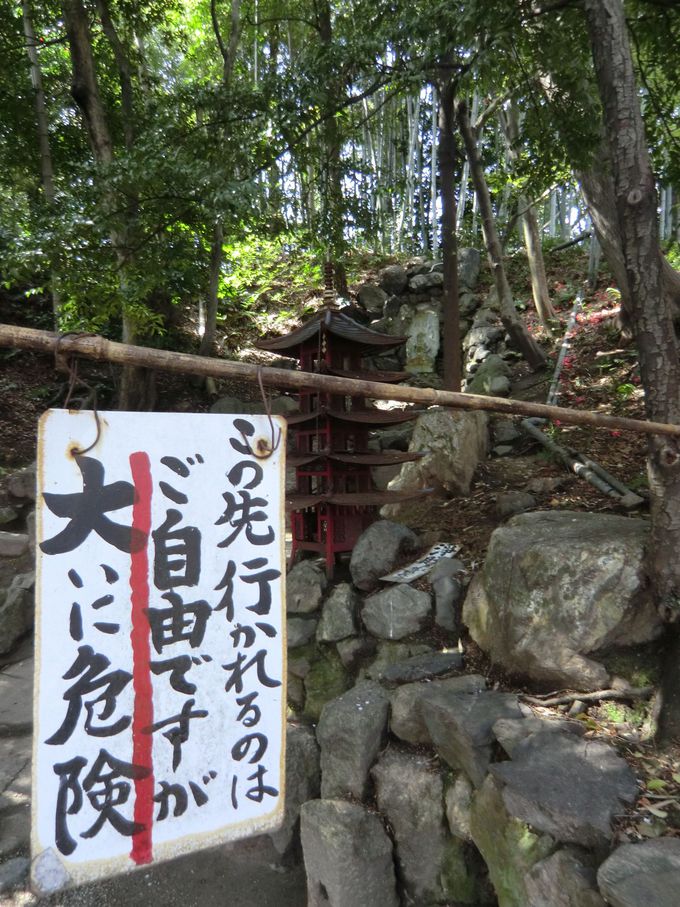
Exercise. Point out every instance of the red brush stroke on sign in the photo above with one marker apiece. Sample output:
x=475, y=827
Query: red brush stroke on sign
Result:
x=142, y=716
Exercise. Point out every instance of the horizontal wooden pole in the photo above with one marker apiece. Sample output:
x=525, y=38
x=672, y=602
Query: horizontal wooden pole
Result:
x=90, y=346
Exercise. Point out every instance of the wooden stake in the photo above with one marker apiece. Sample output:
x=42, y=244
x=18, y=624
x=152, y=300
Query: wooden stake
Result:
x=90, y=346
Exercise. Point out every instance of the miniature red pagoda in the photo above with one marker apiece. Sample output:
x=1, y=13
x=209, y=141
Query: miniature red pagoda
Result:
x=335, y=499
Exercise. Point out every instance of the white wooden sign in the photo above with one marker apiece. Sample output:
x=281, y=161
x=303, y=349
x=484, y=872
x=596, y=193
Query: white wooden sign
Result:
x=160, y=650
x=423, y=565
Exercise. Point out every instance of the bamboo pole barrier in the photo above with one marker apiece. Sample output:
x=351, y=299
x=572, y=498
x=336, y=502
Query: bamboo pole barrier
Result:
x=90, y=346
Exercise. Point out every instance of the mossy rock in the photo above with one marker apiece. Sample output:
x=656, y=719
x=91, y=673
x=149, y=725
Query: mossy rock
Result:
x=326, y=680
x=509, y=847
x=460, y=878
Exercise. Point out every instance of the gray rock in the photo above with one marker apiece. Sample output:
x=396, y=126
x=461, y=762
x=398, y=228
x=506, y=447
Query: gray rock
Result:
x=423, y=667
x=447, y=594
x=13, y=544
x=16, y=698
x=305, y=586
x=557, y=586
x=284, y=404
x=469, y=264
x=563, y=880
x=396, y=438
x=233, y=405
x=338, y=615
x=546, y=484
x=642, y=875
x=461, y=727
x=458, y=803
x=353, y=649
x=295, y=692
x=410, y=793
x=15, y=793
x=30, y=529
x=299, y=631
x=396, y=612
x=483, y=336
x=351, y=731
x=510, y=732
x=468, y=304
x=445, y=568
x=17, y=611
x=492, y=378
x=422, y=346
x=389, y=653
x=21, y=484
x=502, y=450
x=303, y=781
x=15, y=833
x=423, y=282
x=377, y=552
x=508, y=503
x=393, y=279
x=372, y=298
x=348, y=856
x=13, y=873
x=509, y=847
x=506, y=432
x=407, y=721
x=456, y=442
x=566, y=787
x=8, y=515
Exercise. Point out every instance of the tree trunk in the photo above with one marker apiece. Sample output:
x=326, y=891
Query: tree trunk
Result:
x=652, y=318
x=529, y=222
x=46, y=168
x=137, y=389
x=434, y=227
x=334, y=201
x=520, y=338
x=447, y=173
x=207, y=347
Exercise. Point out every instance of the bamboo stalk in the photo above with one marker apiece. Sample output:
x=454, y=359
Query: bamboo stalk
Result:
x=90, y=346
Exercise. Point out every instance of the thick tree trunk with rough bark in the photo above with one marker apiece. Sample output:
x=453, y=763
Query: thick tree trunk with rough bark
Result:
x=520, y=338
x=652, y=318
x=450, y=302
x=597, y=185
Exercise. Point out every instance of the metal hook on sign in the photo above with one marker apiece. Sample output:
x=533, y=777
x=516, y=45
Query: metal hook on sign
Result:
x=264, y=448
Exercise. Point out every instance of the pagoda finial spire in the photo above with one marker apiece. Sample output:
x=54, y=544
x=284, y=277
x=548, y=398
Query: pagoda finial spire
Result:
x=329, y=288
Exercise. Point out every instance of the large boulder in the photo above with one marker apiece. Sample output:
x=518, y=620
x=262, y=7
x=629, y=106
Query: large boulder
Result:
x=377, y=552
x=410, y=795
x=557, y=586
x=563, y=880
x=567, y=787
x=407, y=720
x=348, y=856
x=461, y=727
x=455, y=443
x=351, y=731
x=509, y=847
x=642, y=875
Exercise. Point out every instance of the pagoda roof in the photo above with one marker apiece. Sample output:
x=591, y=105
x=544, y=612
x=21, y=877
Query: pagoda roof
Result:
x=330, y=321
x=354, y=499
x=371, y=417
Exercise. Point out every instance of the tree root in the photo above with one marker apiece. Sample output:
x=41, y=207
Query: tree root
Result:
x=597, y=696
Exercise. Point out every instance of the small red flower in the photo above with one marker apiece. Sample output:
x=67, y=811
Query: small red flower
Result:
x=615, y=434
